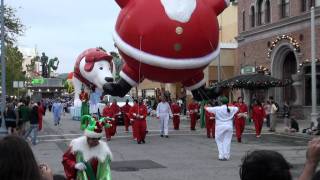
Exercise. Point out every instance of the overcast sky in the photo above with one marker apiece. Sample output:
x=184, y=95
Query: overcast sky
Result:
x=64, y=28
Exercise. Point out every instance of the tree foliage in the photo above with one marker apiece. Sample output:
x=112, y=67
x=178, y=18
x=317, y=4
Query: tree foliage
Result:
x=13, y=25
x=14, y=70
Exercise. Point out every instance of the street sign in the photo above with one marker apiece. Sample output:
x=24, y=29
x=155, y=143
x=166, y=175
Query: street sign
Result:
x=18, y=84
x=248, y=69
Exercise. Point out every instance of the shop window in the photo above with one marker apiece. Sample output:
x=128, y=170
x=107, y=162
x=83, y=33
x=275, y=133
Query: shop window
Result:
x=267, y=12
x=252, y=20
x=285, y=8
x=260, y=13
x=303, y=5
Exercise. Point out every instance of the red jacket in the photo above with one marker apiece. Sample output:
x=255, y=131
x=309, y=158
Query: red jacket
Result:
x=107, y=112
x=138, y=112
x=258, y=113
x=84, y=96
x=193, y=108
x=126, y=108
x=209, y=116
x=175, y=108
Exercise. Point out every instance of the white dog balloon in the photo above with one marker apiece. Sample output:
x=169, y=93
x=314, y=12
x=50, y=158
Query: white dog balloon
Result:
x=92, y=70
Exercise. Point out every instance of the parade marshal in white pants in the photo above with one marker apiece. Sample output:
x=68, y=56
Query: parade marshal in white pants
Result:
x=224, y=127
x=164, y=113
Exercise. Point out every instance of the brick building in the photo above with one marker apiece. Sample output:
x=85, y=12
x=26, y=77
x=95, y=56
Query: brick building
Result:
x=275, y=34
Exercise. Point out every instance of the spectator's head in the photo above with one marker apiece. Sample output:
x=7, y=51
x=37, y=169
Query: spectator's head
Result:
x=17, y=160
x=264, y=165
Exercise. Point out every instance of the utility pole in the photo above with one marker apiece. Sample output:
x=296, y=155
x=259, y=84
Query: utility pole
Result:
x=3, y=72
x=314, y=113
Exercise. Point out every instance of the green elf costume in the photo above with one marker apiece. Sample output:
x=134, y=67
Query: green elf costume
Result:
x=88, y=157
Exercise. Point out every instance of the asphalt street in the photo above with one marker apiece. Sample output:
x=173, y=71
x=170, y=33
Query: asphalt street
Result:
x=185, y=155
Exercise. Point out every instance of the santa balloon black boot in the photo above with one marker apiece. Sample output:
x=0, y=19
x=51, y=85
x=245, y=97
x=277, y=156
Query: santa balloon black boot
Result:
x=120, y=88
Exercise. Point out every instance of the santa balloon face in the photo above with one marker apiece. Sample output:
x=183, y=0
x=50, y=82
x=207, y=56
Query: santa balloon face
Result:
x=168, y=40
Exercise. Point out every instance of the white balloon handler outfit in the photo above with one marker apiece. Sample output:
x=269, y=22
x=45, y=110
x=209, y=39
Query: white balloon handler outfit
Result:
x=224, y=128
x=163, y=113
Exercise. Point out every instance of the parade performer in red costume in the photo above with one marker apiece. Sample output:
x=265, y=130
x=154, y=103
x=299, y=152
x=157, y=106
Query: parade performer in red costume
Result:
x=210, y=124
x=84, y=97
x=193, y=112
x=258, y=115
x=132, y=118
x=109, y=113
x=176, y=110
x=192, y=42
x=240, y=118
x=88, y=157
x=139, y=114
x=125, y=110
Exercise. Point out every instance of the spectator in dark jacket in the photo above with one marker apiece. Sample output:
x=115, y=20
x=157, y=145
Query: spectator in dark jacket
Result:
x=34, y=124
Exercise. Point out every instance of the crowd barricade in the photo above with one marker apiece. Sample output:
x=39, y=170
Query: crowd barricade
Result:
x=75, y=113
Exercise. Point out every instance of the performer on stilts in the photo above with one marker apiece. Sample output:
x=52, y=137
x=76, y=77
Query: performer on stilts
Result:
x=88, y=157
x=84, y=97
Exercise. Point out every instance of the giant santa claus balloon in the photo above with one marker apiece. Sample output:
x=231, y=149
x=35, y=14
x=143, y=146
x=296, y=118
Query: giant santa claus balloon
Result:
x=167, y=41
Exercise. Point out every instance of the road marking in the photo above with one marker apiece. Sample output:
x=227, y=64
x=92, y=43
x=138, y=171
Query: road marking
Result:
x=130, y=136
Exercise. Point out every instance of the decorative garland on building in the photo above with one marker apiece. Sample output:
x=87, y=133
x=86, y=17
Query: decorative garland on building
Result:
x=307, y=61
x=291, y=40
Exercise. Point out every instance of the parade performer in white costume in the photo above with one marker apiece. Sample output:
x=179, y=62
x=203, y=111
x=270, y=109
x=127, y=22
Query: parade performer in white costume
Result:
x=224, y=127
x=164, y=113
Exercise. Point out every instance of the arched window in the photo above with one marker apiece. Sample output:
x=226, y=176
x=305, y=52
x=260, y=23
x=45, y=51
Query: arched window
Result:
x=243, y=20
x=267, y=12
x=285, y=8
x=253, y=18
x=259, y=9
x=303, y=5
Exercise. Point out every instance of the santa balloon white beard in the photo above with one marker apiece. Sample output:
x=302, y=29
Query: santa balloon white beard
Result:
x=167, y=41
x=179, y=10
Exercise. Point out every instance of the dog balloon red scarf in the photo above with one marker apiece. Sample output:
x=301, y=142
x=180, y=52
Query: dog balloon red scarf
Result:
x=167, y=41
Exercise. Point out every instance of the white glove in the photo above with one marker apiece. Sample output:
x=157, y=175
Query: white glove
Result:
x=141, y=117
x=80, y=166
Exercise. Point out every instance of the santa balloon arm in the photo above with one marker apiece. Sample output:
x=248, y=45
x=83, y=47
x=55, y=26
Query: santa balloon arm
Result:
x=219, y=5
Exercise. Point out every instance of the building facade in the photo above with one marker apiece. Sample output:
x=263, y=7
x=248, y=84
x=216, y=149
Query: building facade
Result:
x=276, y=35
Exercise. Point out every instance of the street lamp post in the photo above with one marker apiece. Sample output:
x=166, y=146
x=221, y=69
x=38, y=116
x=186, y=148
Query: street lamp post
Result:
x=314, y=113
x=3, y=72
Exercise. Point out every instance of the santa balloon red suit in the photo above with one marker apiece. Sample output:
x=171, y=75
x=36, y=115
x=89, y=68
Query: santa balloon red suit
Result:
x=191, y=43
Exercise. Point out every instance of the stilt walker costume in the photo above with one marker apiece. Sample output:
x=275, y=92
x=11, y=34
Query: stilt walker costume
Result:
x=175, y=108
x=240, y=118
x=88, y=158
x=224, y=128
x=84, y=97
